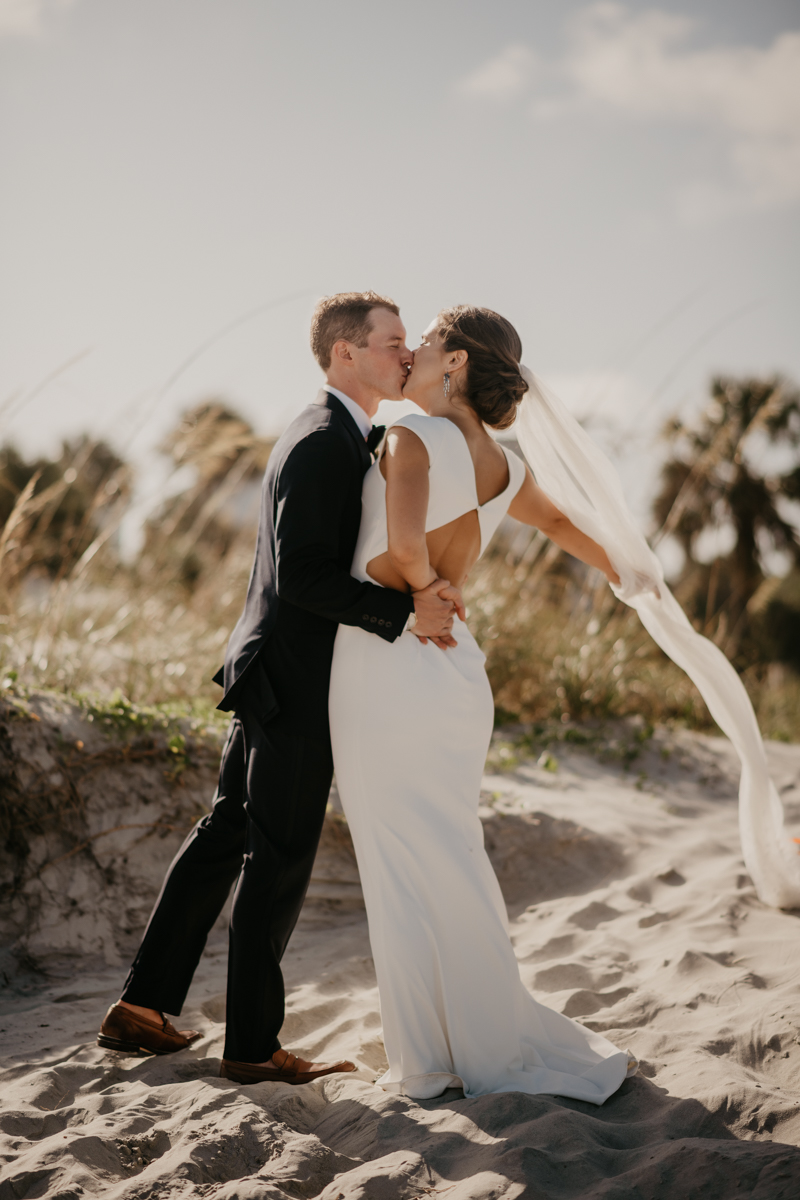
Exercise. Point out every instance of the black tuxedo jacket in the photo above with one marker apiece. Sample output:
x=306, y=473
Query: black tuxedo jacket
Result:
x=300, y=586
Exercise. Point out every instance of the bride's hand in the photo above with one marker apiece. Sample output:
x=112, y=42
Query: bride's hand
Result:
x=453, y=594
x=638, y=585
x=646, y=583
x=434, y=606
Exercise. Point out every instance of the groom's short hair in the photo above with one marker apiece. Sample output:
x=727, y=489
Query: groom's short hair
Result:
x=344, y=317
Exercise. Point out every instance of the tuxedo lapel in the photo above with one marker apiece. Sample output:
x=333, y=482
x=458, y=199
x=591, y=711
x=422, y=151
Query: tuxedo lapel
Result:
x=338, y=409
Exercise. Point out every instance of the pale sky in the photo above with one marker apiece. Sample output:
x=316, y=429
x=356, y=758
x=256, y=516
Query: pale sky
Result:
x=621, y=180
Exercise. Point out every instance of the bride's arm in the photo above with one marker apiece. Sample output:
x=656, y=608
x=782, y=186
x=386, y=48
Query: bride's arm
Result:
x=533, y=507
x=405, y=464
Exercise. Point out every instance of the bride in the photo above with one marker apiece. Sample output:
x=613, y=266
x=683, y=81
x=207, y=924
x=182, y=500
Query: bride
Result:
x=411, y=725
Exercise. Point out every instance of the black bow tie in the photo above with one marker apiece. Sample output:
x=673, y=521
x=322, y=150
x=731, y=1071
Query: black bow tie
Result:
x=374, y=437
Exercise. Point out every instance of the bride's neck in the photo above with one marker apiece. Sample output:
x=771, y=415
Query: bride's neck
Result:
x=456, y=410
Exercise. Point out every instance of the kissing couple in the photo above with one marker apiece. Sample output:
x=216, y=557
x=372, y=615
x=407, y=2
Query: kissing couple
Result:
x=352, y=652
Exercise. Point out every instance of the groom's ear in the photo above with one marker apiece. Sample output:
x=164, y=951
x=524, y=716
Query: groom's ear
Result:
x=340, y=351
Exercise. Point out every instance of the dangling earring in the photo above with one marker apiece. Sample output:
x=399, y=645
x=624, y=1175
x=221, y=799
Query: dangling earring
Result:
x=446, y=384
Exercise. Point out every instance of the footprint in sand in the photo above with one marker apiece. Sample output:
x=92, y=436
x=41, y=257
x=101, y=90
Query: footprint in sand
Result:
x=593, y=915
x=642, y=889
x=583, y=1003
x=672, y=878
x=555, y=947
x=656, y=918
x=573, y=975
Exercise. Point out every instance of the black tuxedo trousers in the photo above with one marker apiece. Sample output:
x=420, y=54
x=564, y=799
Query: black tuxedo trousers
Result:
x=263, y=829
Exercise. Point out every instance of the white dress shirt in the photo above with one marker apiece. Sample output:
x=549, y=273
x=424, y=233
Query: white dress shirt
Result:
x=356, y=411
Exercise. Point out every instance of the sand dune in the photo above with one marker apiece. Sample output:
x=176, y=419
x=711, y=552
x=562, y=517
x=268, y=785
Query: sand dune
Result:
x=630, y=911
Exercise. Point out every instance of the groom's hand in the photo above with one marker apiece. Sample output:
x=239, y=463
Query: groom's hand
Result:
x=435, y=606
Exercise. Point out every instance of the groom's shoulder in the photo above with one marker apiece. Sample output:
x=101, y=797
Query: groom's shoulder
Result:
x=315, y=429
x=317, y=422
x=314, y=418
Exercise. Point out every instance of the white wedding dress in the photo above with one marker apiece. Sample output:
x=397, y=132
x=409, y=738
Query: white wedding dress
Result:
x=411, y=726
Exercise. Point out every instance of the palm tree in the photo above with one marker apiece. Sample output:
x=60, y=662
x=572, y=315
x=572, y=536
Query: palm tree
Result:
x=197, y=527
x=711, y=480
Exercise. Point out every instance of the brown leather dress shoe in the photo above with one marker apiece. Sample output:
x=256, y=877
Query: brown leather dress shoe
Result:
x=284, y=1068
x=128, y=1033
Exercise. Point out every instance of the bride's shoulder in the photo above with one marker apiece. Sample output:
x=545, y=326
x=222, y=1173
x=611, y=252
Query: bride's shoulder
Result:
x=412, y=421
x=432, y=431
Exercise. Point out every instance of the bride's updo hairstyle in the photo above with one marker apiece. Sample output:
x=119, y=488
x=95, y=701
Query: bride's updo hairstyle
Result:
x=493, y=386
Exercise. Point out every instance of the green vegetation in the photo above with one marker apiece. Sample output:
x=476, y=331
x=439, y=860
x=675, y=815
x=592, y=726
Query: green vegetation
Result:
x=608, y=740
x=137, y=642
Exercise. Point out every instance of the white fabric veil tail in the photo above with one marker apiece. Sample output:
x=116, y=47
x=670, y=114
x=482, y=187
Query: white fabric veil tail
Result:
x=581, y=481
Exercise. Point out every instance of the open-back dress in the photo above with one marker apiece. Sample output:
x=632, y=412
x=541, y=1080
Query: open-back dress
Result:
x=411, y=726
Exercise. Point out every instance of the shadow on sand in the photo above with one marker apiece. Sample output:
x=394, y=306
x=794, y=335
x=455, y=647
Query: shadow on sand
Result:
x=642, y=1144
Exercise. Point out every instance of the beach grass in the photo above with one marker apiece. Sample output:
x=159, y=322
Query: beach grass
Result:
x=142, y=640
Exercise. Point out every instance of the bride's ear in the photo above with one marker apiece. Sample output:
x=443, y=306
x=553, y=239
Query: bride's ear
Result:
x=456, y=359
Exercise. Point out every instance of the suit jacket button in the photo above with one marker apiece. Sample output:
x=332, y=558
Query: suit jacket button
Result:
x=365, y=617
x=373, y=620
x=388, y=624
x=381, y=621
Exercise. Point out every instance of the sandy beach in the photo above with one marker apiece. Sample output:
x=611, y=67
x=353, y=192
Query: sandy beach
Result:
x=629, y=908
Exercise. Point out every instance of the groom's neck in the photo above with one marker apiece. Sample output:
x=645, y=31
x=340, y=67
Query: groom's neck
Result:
x=364, y=397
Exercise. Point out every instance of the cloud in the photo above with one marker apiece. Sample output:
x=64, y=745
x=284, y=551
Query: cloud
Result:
x=26, y=18
x=501, y=78
x=639, y=67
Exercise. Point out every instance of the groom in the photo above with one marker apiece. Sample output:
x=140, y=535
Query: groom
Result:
x=276, y=765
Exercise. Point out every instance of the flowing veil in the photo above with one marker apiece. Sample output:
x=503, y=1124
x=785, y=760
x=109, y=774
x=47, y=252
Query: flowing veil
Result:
x=581, y=481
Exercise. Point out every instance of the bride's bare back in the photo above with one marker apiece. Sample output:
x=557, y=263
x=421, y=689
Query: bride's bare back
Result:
x=452, y=549
x=416, y=555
